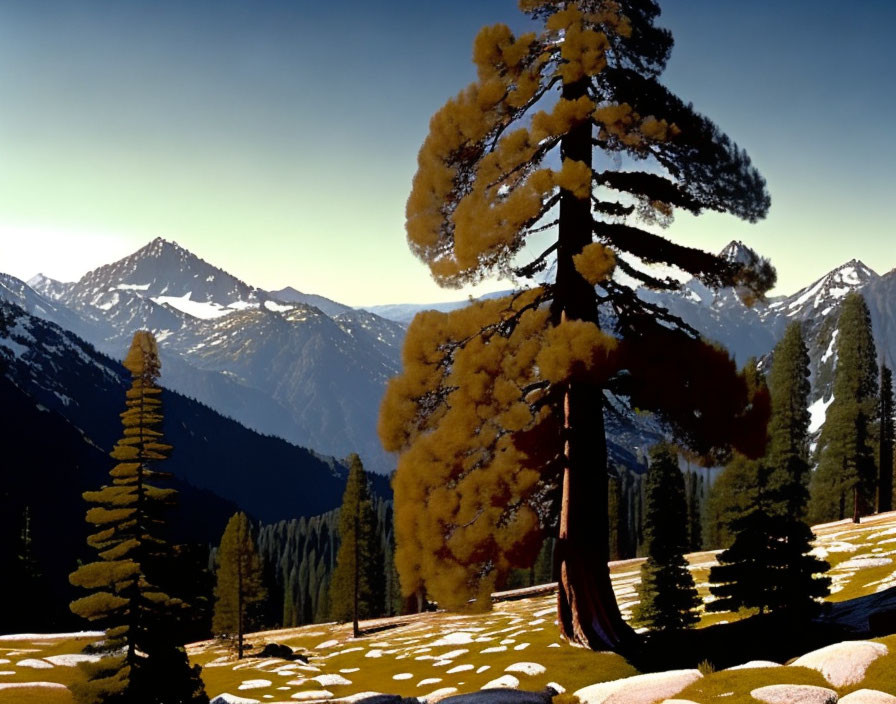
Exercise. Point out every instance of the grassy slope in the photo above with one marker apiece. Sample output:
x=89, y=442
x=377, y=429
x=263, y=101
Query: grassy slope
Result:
x=450, y=647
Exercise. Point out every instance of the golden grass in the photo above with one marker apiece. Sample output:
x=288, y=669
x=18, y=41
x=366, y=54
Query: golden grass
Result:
x=734, y=686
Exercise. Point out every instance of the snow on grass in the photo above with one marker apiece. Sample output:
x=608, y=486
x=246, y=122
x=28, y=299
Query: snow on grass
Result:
x=255, y=684
x=456, y=638
x=312, y=695
x=331, y=680
x=26, y=685
x=503, y=682
x=527, y=668
x=35, y=664
x=51, y=636
x=864, y=562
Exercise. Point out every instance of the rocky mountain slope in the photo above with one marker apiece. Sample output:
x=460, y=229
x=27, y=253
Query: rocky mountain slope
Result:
x=275, y=362
x=65, y=377
x=312, y=370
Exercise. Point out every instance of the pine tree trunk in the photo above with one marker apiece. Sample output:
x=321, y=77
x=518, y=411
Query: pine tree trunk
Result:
x=355, y=630
x=239, y=607
x=856, y=512
x=586, y=605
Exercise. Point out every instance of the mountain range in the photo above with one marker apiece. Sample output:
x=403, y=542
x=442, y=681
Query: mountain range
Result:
x=311, y=370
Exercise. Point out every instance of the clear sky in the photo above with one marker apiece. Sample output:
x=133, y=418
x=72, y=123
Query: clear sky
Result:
x=278, y=138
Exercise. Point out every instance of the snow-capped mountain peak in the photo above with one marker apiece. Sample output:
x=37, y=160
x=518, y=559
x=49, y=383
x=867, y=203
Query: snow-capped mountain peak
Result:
x=737, y=251
x=825, y=294
x=48, y=287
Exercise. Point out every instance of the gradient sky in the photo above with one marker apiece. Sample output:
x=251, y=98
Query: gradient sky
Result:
x=278, y=139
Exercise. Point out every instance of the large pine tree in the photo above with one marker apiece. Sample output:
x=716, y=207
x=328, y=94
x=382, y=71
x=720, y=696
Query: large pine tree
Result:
x=768, y=566
x=787, y=482
x=668, y=595
x=357, y=587
x=501, y=405
x=239, y=581
x=144, y=661
x=845, y=481
x=887, y=437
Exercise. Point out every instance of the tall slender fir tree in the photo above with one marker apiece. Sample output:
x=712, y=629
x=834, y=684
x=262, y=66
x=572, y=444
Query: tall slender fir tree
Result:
x=144, y=662
x=845, y=481
x=239, y=581
x=358, y=583
x=769, y=567
x=886, y=467
x=668, y=595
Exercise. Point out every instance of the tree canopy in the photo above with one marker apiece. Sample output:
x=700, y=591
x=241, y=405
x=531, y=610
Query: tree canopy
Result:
x=556, y=168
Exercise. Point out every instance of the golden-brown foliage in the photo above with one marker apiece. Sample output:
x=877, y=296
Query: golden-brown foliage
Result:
x=465, y=489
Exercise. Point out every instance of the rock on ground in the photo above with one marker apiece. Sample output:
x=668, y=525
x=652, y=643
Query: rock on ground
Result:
x=843, y=664
x=232, y=699
x=794, y=694
x=640, y=689
x=502, y=696
x=755, y=664
x=868, y=696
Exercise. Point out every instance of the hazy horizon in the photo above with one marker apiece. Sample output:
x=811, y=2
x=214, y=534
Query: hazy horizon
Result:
x=278, y=141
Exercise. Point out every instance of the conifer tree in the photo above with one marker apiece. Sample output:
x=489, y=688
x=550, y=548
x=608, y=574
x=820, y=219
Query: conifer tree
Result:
x=787, y=481
x=732, y=496
x=357, y=585
x=769, y=565
x=887, y=438
x=239, y=580
x=144, y=660
x=845, y=481
x=504, y=399
x=668, y=595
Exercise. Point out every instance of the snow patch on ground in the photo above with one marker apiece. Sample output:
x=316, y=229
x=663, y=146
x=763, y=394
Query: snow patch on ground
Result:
x=527, y=668
x=53, y=636
x=34, y=663
x=255, y=684
x=503, y=682
x=28, y=685
x=455, y=638
x=72, y=659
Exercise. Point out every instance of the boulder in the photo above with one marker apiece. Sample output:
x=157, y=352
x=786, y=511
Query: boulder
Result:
x=277, y=650
x=640, y=689
x=794, y=694
x=232, y=699
x=868, y=696
x=843, y=664
x=756, y=664
x=501, y=696
x=381, y=699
